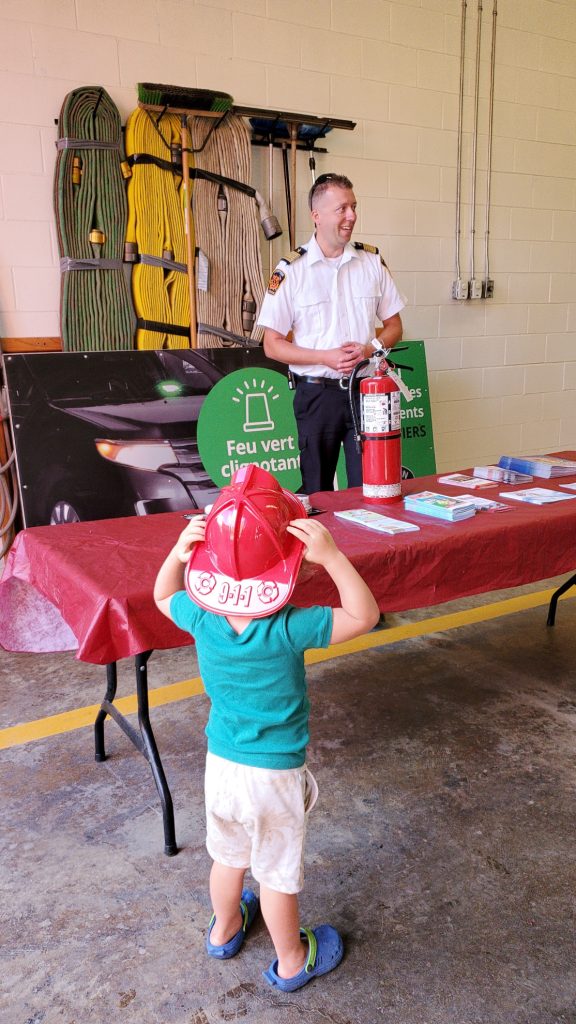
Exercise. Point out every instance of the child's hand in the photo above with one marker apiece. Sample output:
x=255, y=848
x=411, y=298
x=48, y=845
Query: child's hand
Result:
x=320, y=545
x=191, y=535
x=170, y=576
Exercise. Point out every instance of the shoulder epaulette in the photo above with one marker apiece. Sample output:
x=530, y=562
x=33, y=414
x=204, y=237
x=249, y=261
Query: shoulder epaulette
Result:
x=294, y=255
x=367, y=248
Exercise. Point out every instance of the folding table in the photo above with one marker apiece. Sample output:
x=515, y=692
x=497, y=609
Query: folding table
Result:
x=88, y=586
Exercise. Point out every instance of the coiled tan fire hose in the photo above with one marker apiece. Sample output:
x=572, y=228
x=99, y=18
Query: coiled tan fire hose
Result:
x=91, y=213
x=226, y=226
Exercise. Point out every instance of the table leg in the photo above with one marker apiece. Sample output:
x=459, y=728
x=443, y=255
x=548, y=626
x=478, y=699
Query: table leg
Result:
x=152, y=755
x=143, y=739
x=554, y=599
x=111, y=685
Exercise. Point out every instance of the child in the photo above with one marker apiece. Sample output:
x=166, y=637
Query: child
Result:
x=239, y=566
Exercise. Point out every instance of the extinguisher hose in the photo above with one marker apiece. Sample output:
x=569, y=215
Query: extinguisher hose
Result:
x=351, y=381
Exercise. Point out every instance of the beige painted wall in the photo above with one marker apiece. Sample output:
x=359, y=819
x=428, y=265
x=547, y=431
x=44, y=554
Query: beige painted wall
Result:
x=502, y=371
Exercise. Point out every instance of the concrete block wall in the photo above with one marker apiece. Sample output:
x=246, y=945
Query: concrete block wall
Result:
x=502, y=371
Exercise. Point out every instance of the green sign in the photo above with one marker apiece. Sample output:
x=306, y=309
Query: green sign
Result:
x=417, y=437
x=248, y=417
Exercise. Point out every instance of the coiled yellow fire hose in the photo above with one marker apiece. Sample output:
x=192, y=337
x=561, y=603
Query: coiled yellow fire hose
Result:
x=155, y=233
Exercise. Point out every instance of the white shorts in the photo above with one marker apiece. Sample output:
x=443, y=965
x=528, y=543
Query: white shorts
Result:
x=256, y=818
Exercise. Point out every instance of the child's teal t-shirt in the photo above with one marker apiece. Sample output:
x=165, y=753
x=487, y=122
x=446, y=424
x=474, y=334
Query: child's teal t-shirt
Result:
x=256, y=680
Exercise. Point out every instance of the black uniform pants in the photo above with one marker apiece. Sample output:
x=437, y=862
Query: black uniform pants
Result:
x=324, y=422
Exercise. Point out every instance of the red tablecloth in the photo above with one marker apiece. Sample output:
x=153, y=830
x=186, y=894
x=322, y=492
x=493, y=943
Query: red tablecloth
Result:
x=88, y=586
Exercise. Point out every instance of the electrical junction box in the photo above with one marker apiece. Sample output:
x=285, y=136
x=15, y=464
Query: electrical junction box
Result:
x=475, y=289
x=459, y=289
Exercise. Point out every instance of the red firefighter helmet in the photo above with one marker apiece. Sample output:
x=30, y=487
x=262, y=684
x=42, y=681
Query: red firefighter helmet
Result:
x=248, y=562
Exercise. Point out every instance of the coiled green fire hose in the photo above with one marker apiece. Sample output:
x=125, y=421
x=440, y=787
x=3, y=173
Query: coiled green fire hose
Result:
x=91, y=214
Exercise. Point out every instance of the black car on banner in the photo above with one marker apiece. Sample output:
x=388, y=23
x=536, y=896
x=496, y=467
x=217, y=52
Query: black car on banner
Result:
x=108, y=433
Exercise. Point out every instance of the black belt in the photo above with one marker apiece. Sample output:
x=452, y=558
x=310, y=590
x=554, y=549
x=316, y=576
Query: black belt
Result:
x=323, y=382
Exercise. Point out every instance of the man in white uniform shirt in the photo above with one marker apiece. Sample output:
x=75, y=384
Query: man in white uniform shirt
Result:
x=329, y=294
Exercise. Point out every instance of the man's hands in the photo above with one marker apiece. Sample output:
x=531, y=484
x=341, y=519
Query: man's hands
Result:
x=344, y=358
x=347, y=356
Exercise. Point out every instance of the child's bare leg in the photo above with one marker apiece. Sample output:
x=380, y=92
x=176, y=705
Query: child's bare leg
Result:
x=282, y=917
x=225, y=892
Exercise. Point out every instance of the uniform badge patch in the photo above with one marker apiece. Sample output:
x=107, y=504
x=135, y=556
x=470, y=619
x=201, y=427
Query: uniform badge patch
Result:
x=275, y=282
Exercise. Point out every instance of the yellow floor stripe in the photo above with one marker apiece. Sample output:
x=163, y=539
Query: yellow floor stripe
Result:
x=80, y=718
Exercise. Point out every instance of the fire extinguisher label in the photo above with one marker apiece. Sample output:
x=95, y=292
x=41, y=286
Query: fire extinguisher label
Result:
x=381, y=413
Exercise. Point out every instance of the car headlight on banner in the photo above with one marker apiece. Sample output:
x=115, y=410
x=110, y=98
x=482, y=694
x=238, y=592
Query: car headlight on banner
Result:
x=148, y=456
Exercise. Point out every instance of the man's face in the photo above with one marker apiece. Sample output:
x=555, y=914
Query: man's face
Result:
x=334, y=216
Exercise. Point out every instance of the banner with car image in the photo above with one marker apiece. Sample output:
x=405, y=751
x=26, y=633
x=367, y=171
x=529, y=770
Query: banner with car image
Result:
x=105, y=434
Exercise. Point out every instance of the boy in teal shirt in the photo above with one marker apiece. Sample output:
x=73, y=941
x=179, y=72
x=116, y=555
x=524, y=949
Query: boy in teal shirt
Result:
x=239, y=566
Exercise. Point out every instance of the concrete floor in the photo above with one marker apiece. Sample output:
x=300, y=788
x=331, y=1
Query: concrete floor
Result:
x=442, y=845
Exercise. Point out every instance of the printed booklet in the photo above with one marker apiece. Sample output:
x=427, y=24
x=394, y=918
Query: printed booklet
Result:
x=441, y=506
x=486, y=504
x=502, y=476
x=539, y=465
x=537, y=495
x=463, y=480
x=375, y=521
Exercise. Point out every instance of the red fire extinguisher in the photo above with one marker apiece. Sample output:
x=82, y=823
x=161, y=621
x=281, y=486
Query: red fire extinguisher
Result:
x=379, y=438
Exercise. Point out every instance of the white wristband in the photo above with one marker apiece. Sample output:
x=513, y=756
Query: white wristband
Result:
x=379, y=347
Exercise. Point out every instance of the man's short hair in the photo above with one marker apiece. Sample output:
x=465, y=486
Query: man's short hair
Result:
x=324, y=182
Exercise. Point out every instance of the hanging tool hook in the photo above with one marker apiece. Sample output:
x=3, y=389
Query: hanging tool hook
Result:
x=213, y=127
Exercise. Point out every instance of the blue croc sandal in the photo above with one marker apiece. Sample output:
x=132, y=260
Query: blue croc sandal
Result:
x=325, y=951
x=248, y=907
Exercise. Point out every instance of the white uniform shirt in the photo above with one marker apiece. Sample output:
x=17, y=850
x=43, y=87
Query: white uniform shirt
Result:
x=328, y=302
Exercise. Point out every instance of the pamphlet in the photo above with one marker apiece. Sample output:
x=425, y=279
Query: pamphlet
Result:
x=442, y=506
x=463, y=480
x=502, y=476
x=375, y=521
x=537, y=495
x=539, y=465
x=486, y=504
